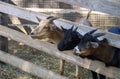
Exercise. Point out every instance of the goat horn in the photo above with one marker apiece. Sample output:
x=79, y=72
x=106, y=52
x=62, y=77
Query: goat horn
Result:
x=52, y=18
x=76, y=29
x=91, y=32
x=72, y=27
x=63, y=28
x=98, y=35
x=38, y=19
x=49, y=17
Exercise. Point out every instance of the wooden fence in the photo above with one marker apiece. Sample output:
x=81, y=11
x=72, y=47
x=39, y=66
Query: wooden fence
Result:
x=29, y=67
x=96, y=66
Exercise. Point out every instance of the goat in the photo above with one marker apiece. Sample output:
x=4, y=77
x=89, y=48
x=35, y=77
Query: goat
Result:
x=70, y=39
x=90, y=47
x=47, y=30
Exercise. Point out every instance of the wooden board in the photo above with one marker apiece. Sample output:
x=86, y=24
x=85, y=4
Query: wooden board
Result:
x=29, y=67
x=52, y=50
x=106, y=6
x=62, y=11
x=15, y=20
x=19, y=12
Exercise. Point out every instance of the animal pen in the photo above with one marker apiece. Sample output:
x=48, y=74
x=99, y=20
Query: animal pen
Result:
x=68, y=10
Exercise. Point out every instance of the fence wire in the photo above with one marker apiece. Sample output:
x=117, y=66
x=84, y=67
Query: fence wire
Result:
x=99, y=20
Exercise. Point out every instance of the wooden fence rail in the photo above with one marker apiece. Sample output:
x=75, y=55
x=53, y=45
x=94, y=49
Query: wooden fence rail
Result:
x=62, y=11
x=107, y=6
x=51, y=49
x=29, y=67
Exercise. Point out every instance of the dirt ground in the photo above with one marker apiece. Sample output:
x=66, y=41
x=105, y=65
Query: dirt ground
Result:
x=39, y=58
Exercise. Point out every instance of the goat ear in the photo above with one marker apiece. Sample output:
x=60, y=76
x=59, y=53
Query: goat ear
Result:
x=38, y=19
x=98, y=35
x=49, y=17
x=63, y=28
x=92, y=31
x=94, y=44
x=79, y=35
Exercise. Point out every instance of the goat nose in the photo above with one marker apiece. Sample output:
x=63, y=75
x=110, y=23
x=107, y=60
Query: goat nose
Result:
x=75, y=52
x=31, y=33
x=60, y=48
x=80, y=49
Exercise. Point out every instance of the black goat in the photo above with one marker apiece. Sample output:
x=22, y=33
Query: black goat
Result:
x=71, y=39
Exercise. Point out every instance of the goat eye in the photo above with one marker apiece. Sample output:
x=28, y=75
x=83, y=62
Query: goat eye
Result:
x=88, y=45
x=46, y=28
x=70, y=39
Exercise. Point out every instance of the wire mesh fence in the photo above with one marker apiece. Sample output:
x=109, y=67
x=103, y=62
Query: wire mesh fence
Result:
x=100, y=20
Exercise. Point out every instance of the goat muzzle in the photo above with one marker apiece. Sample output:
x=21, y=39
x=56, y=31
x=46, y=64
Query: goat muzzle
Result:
x=76, y=51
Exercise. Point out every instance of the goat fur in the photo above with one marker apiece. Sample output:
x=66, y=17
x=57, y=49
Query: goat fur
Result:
x=47, y=30
x=105, y=53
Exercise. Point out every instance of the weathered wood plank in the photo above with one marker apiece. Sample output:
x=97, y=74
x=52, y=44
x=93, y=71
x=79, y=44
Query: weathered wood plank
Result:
x=29, y=67
x=106, y=6
x=53, y=10
x=4, y=20
x=19, y=12
x=15, y=20
x=52, y=50
x=31, y=16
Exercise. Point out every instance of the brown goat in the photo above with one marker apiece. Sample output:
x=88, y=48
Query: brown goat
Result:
x=91, y=47
x=105, y=55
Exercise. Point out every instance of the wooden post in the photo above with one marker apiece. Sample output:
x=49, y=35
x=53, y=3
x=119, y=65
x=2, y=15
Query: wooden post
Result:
x=4, y=21
x=61, y=70
x=77, y=75
x=3, y=40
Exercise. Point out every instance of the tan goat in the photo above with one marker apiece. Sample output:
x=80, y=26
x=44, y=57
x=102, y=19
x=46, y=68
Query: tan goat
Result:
x=47, y=30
